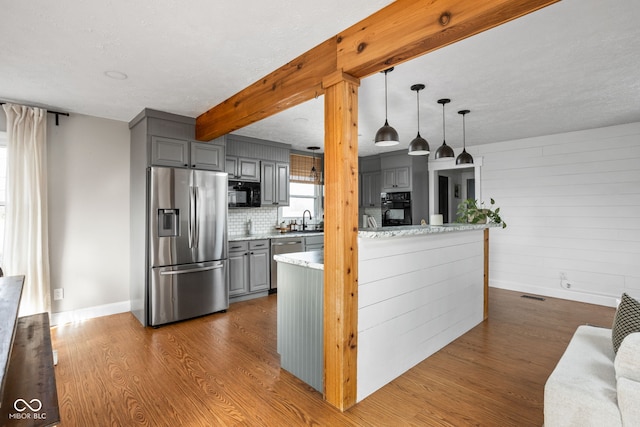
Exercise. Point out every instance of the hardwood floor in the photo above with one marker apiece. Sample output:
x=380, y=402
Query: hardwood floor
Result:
x=223, y=369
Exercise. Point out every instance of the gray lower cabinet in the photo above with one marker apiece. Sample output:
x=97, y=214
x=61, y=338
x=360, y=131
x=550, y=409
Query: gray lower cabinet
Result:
x=314, y=243
x=249, y=268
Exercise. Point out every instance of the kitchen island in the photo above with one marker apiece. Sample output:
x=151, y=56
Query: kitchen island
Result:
x=419, y=288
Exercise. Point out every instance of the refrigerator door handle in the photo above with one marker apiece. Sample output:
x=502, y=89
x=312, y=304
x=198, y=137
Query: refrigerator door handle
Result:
x=196, y=227
x=192, y=213
x=192, y=270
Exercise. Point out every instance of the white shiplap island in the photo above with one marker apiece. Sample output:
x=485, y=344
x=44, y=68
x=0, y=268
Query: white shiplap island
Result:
x=419, y=288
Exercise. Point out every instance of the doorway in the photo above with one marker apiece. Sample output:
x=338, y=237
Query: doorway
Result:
x=443, y=197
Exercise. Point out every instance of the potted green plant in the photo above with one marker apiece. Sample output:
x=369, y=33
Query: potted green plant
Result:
x=471, y=213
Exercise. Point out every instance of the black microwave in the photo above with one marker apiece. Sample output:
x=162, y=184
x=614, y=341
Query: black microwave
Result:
x=243, y=194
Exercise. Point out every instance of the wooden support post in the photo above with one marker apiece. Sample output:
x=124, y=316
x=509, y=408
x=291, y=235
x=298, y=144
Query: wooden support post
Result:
x=341, y=240
x=486, y=273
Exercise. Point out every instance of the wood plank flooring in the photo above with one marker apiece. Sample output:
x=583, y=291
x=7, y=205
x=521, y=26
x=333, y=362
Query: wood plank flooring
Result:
x=223, y=370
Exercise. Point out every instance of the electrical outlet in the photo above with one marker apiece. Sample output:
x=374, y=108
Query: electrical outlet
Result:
x=58, y=294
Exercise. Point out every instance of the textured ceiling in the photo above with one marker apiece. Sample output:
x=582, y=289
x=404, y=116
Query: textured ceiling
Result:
x=571, y=66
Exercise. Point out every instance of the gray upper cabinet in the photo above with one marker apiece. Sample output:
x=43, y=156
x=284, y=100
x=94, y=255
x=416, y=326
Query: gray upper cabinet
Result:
x=274, y=182
x=242, y=169
x=169, y=152
x=207, y=156
x=186, y=154
x=371, y=188
x=396, y=179
x=370, y=181
x=396, y=171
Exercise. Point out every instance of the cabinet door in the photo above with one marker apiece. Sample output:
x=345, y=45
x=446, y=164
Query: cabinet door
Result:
x=282, y=184
x=248, y=169
x=259, y=276
x=243, y=169
x=389, y=179
x=371, y=189
x=268, y=183
x=238, y=265
x=274, y=184
x=403, y=178
x=207, y=156
x=397, y=179
x=169, y=152
x=231, y=167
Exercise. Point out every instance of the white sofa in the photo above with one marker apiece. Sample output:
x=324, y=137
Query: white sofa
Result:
x=593, y=386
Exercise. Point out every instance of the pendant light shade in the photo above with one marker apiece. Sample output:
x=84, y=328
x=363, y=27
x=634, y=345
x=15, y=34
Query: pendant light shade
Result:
x=386, y=135
x=464, y=157
x=444, y=151
x=419, y=146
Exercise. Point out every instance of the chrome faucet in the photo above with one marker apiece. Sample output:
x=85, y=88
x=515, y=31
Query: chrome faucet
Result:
x=304, y=225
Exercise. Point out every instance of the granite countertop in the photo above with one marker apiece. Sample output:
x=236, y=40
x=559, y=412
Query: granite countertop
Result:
x=417, y=230
x=273, y=235
x=313, y=259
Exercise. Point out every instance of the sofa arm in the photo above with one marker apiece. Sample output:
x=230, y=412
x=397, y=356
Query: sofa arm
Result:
x=627, y=362
x=627, y=366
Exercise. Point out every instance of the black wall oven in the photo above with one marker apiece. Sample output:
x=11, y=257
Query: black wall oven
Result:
x=243, y=194
x=396, y=209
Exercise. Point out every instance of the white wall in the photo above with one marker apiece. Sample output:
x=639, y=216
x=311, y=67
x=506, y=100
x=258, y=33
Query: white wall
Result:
x=572, y=203
x=88, y=166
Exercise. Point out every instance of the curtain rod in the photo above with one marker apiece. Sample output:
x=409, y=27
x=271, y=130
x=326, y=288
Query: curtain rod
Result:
x=57, y=113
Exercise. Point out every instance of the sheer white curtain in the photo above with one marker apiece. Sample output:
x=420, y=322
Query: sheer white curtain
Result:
x=26, y=243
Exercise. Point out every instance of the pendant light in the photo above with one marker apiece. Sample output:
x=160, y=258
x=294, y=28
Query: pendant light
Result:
x=313, y=174
x=419, y=146
x=464, y=157
x=444, y=150
x=386, y=135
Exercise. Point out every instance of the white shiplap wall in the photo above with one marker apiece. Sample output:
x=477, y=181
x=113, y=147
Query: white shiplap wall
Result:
x=572, y=204
x=415, y=295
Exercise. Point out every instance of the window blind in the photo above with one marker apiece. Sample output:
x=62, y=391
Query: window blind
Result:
x=300, y=167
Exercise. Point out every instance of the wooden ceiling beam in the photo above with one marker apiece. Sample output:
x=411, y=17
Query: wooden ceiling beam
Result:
x=407, y=29
x=294, y=83
x=397, y=33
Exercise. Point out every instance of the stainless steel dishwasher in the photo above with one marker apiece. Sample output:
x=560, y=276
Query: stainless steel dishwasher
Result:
x=283, y=246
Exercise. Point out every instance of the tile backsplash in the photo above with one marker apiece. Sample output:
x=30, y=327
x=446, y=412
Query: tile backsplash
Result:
x=264, y=220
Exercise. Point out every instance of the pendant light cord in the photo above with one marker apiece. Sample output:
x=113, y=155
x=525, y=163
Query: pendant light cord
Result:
x=464, y=133
x=418, y=101
x=444, y=138
x=386, y=116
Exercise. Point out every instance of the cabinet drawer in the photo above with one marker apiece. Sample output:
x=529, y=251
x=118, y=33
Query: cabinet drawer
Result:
x=238, y=245
x=314, y=240
x=259, y=244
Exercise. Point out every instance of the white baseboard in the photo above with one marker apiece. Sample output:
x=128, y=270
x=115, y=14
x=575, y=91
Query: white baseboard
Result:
x=605, y=300
x=63, y=317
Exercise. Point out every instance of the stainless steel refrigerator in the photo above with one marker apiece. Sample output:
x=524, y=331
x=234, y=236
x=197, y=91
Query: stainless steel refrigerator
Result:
x=187, y=244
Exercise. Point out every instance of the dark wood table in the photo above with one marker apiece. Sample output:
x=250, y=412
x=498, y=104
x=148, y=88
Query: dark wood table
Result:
x=29, y=396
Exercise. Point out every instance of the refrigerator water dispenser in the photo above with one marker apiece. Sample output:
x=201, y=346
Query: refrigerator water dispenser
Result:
x=168, y=222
